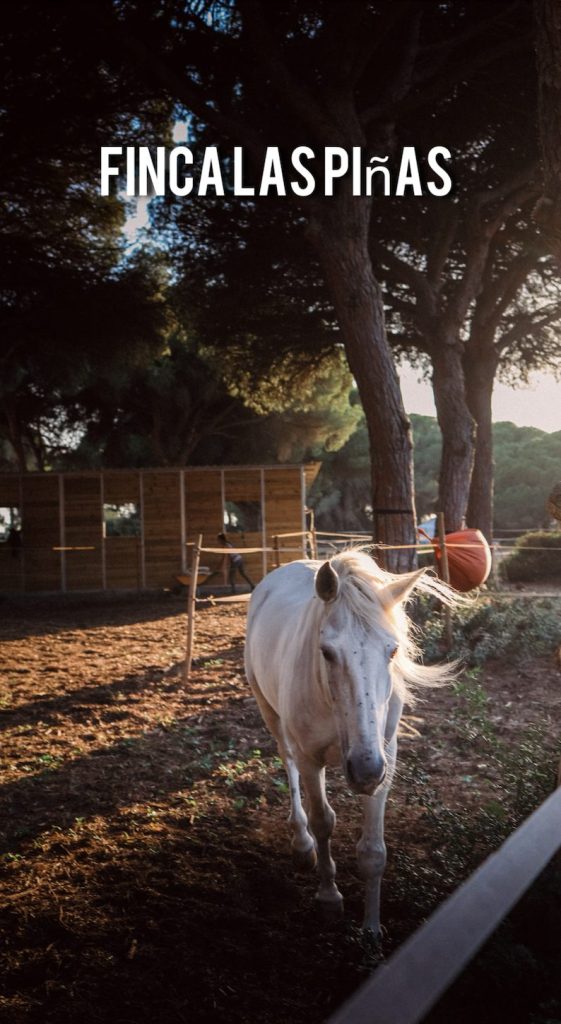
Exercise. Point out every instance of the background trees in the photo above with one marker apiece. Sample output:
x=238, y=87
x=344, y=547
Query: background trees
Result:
x=468, y=281
x=252, y=73
x=548, y=47
x=173, y=354
x=183, y=408
x=526, y=462
x=71, y=302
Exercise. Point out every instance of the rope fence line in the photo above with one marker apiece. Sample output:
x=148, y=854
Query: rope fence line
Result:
x=426, y=546
x=244, y=551
x=374, y=544
x=296, y=533
x=195, y=569
x=311, y=539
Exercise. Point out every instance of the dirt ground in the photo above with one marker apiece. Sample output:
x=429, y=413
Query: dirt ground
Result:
x=146, y=870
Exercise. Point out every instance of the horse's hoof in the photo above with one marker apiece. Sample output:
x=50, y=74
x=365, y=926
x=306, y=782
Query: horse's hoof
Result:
x=372, y=937
x=304, y=860
x=330, y=904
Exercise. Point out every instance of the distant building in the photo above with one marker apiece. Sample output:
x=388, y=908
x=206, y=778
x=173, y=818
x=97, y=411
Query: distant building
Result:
x=129, y=529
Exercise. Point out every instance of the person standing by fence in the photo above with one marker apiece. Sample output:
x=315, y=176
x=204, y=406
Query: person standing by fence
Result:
x=235, y=564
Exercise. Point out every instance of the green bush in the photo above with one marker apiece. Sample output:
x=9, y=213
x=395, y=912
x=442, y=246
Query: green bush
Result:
x=491, y=628
x=528, y=565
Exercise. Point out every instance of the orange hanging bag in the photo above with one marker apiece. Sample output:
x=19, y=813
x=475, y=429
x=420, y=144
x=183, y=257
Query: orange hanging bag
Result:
x=469, y=559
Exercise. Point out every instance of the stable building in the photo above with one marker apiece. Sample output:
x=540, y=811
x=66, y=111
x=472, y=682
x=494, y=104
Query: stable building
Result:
x=131, y=529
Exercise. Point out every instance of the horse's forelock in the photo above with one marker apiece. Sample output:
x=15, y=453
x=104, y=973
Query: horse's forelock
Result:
x=361, y=580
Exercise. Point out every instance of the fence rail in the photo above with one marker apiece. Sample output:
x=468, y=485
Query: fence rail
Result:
x=419, y=973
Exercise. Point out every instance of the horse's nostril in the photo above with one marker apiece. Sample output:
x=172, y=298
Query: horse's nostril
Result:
x=350, y=773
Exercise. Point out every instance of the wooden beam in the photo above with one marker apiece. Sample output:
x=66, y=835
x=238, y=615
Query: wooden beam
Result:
x=264, y=559
x=196, y=556
x=445, y=574
x=303, y=506
x=142, y=532
x=102, y=528
x=417, y=975
x=62, y=532
x=183, y=520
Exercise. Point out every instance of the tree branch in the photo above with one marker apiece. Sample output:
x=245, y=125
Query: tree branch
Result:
x=461, y=70
x=192, y=96
x=415, y=279
x=527, y=324
x=266, y=52
x=370, y=43
x=498, y=293
x=400, y=83
x=439, y=251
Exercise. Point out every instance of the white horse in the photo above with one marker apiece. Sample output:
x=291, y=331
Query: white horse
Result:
x=330, y=659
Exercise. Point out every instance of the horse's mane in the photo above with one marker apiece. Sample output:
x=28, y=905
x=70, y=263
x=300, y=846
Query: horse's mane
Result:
x=361, y=581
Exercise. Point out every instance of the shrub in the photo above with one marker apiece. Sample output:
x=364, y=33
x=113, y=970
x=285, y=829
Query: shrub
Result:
x=528, y=565
x=491, y=628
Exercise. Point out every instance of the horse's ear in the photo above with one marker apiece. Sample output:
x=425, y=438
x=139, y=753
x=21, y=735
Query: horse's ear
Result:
x=327, y=582
x=398, y=591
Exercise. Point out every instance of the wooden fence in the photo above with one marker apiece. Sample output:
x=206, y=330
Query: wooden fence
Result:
x=128, y=529
x=417, y=975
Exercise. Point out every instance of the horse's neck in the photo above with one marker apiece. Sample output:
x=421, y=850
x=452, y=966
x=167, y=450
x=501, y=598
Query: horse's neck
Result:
x=308, y=660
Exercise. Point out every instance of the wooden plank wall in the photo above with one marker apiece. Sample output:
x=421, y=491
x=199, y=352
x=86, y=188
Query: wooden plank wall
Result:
x=83, y=528
x=11, y=560
x=123, y=555
x=162, y=527
x=176, y=505
x=41, y=532
x=283, y=510
x=203, y=512
x=243, y=488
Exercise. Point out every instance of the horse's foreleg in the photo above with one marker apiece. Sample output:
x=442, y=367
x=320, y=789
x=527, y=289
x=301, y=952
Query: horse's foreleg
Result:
x=371, y=848
x=322, y=822
x=371, y=857
x=303, y=845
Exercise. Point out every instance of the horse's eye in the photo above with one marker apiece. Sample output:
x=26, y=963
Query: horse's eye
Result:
x=393, y=653
x=328, y=654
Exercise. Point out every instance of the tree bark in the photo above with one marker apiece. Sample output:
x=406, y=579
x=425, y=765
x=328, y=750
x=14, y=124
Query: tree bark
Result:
x=340, y=236
x=458, y=433
x=15, y=435
x=479, y=378
x=547, y=212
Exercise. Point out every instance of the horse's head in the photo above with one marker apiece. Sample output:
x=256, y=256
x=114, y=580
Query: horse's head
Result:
x=360, y=635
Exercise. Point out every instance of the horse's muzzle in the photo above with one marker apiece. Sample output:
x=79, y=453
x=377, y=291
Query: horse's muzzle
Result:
x=365, y=772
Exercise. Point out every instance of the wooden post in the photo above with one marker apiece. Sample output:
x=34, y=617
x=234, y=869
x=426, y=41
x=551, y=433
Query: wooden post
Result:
x=191, y=607
x=62, y=532
x=445, y=575
x=102, y=527
x=495, y=566
x=314, y=543
x=277, y=551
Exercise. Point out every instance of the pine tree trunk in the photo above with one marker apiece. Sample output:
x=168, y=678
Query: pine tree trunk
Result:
x=458, y=434
x=340, y=237
x=548, y=47
x=15, y=435
x=479, y=378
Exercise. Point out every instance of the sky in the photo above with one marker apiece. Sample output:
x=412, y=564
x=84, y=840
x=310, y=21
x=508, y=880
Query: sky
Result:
x=538, y=405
